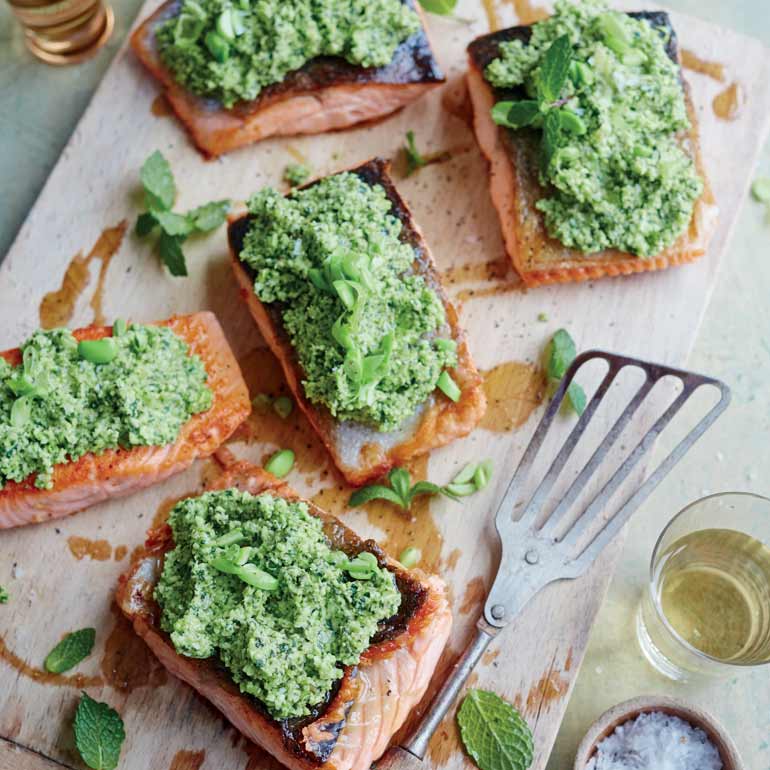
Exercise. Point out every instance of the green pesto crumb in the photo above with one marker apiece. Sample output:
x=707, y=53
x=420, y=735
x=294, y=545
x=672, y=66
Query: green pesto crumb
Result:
x=297, y=174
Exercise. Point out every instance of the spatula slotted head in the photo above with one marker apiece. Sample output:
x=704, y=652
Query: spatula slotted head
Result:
x=537, y=552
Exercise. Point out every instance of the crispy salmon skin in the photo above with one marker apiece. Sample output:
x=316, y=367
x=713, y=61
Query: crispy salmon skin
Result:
x=514, y=185
x=326, y=94
x=362, y=453
x=353, y=727
x=117, y=472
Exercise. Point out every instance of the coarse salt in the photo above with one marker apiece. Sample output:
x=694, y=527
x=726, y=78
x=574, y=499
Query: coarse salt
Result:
x=656, y=741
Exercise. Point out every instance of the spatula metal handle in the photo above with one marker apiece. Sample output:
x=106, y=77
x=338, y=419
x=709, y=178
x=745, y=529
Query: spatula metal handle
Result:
x=417, y=743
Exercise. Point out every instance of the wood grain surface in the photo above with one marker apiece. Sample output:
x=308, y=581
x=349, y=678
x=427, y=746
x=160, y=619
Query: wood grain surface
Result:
x=59, y=582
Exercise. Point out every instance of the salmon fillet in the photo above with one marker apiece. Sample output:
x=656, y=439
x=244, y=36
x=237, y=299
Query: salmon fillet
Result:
x=117, y=472
x=515, y=189
x=362, y=453
x=371, y=701
x=326, y=94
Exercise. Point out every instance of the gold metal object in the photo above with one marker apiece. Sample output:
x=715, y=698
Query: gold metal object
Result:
x=63, y=32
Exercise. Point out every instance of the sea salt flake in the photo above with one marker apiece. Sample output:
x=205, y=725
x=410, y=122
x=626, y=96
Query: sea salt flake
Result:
x=656, y=741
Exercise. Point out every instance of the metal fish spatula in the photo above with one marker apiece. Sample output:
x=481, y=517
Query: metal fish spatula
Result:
x=534, y=556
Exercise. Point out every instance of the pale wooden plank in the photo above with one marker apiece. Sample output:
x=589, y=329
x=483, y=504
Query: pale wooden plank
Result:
x=16, y=757
x=655, y=316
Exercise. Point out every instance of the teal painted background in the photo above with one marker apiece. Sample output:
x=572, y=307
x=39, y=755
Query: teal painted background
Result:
x=39, y=109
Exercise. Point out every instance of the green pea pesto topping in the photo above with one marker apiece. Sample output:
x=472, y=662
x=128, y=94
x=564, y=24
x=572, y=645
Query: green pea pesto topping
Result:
x=231, y=49
x=613, y=167
x=254, y=581
x=366, y=328
x=66, y=400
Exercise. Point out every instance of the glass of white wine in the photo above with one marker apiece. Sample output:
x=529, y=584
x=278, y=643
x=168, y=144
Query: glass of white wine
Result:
x=706, y=610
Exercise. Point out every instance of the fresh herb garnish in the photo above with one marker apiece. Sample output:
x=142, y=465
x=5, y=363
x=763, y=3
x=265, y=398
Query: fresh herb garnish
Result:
x=494, y=733
x=99, y=734
x=297, y=174
x=159, y=196
x=3, y=595
x=415, y=160
x=560, y=353
x=283, y=406
x=74, y=648
x=549, y=111
x=401, y=492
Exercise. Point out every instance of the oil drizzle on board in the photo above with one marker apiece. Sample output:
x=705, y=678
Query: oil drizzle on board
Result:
x=97, y=550
x=298, y=156
x=727, y=104
x=127, y=662
x=513, y=390
x=400, y=529
x=58, y=307
x=259, y=759
x=160, y=107
x=474, y=595
x=78, y=681
x=712, y=69
x=263, y=375
x=187, y=760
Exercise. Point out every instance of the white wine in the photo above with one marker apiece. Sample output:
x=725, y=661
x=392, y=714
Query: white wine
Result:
x=713, y=587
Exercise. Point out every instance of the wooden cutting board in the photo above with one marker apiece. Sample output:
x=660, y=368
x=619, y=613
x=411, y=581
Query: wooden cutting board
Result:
x=74, y=262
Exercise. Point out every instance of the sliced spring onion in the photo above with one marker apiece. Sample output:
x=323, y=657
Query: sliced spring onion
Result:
x=283, y=406
x=448, y=387
x=461, y=490
x=280, y=463
x=98, y=351
x=349, y=292
x=119, y=327
x=253, y=576
x=233, y=536
x=21, y=411
x=225, y=565
x=218, y=46
x=243, y=555
x=342, y=333
x=318, y=279
x=482, y=474
x=410, y=556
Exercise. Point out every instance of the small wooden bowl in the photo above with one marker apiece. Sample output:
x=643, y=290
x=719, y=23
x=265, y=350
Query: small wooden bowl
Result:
x=631, y=709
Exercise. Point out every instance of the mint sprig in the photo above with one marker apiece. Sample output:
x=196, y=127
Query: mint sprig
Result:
x=494, y=733
x=3, y=595
x=401, y=492
x=415, y=160
x=99, y=734
x=159, y=196
x=70, y=651
x=559, y=354
x=549, y=111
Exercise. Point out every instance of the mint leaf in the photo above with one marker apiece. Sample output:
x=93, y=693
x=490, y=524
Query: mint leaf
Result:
x=3, y=595
x=555, y=69
x=561, y=353
x=145, y=224
x=399, y=481
x=414, y=158
x=74, y=648
x=209, y=216
x=493, y=732
x=374, y=492
x=170, y=248
x=551, y=136
x=174, y=224
x=99, y=734
x=422, y=488
x=515, y=114
x=576, y=397
x=158, y=182
x=440, y=7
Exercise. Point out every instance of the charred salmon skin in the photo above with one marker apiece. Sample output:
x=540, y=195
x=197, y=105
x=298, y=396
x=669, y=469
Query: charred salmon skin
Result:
x=363, y=453
x=327, y=94
x=515, y=188
x=117, y=472
x=353, y=727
